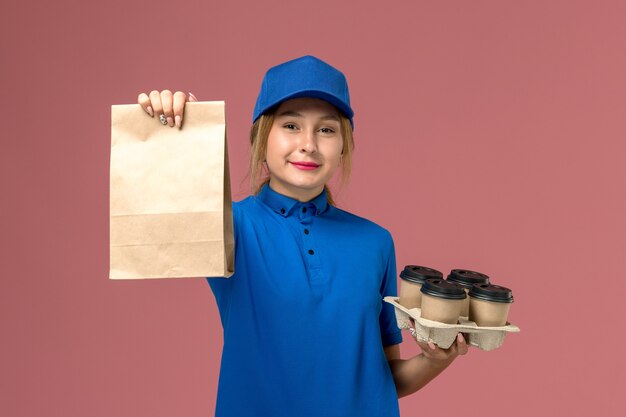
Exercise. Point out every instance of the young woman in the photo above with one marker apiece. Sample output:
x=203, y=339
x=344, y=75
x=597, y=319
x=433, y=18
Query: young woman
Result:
x=306, y=331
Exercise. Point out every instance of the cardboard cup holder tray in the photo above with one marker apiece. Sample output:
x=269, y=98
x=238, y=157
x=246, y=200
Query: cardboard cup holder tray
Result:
x=442, y=334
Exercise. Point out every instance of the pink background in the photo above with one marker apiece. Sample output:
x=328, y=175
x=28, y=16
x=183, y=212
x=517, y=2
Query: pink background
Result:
x=490, y=136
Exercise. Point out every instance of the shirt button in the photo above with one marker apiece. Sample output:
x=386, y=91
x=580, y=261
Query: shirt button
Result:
x=306, y=231
x=304, y=209
x=282, y=211
x=311, y=252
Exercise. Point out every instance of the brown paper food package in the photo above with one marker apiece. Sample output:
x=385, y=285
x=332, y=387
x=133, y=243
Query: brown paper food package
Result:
x=170, y=199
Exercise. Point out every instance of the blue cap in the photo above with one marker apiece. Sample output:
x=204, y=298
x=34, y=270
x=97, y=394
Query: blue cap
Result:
x=303, y=77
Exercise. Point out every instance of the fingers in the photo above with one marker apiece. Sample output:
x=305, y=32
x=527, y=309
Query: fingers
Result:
x=170, y=105
x=155, y=100
x=144, y=101
x=426, y=346
x=167, y=100
x=179, y=107
x=434, y=352
x=461, y=346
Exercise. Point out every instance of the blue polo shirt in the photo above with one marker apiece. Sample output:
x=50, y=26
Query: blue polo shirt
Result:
x=303, y=316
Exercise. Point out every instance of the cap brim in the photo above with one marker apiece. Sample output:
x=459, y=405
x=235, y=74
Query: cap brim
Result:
x=322, y=95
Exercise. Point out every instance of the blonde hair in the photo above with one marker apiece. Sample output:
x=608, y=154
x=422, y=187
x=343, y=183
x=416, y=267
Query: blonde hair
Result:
x=259, y=133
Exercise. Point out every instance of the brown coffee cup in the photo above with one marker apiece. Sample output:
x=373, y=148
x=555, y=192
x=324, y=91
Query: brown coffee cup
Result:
x=412, y=278
x=442, y=301
x=466, y=279
x=489, y=305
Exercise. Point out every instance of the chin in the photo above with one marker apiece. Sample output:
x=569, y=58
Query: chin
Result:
x=308, y=187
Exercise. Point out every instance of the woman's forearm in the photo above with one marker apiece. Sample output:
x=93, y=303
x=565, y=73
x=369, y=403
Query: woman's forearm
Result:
x=412, y=374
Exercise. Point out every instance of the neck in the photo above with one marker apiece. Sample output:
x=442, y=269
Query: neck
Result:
x=300, y=194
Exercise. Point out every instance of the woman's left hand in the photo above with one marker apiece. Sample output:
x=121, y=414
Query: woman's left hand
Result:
x=412, y=374
x=437, y=355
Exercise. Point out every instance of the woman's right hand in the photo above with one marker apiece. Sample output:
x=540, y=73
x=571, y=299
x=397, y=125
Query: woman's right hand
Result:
x=171, y=106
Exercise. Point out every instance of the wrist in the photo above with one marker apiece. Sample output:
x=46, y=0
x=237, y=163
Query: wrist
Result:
x=437, y=363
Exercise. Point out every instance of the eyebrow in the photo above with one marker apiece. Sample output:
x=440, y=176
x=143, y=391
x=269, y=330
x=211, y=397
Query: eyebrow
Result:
x=290, y=113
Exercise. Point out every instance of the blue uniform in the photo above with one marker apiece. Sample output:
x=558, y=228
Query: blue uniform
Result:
x=303, y=316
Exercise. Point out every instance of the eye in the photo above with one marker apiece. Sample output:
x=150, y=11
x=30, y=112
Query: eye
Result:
x=327, y=130
x=290, y=126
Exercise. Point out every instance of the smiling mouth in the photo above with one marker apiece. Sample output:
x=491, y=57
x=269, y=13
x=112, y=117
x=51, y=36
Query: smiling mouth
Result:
x=305, y=165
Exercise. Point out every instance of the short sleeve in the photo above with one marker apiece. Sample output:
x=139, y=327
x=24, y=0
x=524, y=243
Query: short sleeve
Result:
x=236, y=209
x=390, y=333
x=221, y=286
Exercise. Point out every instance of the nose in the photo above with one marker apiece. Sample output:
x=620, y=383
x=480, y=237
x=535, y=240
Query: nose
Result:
x=308, y=141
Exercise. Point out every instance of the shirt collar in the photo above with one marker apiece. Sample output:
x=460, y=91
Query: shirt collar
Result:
x=285, y=206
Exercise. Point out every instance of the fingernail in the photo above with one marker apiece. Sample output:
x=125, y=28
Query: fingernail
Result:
x=150, y=112
x=193, y=95
x=460, y=338
x=432, y=345
x=170, y=121
x=178, y=121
